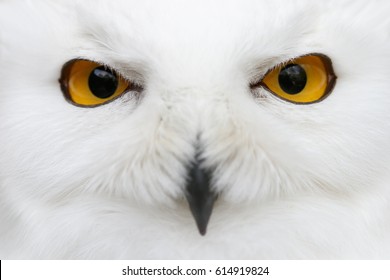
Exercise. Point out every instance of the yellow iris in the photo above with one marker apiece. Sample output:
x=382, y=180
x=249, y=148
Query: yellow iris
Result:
x=88, y=84
x=303, y=80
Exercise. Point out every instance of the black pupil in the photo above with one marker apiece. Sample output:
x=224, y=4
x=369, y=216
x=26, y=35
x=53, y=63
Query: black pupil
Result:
x=102, y=82
x=292, y=79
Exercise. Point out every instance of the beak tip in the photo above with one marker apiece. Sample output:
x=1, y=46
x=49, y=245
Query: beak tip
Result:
x=202, y=228
x=202, y=213
x=200, y=196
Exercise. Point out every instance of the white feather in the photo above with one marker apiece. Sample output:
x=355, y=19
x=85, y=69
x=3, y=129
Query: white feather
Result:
x=294, y=181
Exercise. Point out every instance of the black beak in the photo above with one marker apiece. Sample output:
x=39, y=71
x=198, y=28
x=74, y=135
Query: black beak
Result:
x=199, y=196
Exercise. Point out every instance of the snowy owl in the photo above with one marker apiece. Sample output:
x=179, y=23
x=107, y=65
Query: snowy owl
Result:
x=194, y=129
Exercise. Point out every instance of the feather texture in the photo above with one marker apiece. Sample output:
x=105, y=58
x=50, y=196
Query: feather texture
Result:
x=293, y=181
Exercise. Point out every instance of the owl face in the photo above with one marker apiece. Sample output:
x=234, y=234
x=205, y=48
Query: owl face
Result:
x=155, y=102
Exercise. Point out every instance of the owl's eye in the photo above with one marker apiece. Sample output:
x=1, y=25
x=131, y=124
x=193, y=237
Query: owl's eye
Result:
x=306, y=79
x=88, y=84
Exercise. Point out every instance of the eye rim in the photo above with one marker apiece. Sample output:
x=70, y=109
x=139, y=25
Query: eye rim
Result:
x=64, y=83
x=327, y=62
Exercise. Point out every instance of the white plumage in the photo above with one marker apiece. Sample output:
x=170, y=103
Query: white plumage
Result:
x=109, y=182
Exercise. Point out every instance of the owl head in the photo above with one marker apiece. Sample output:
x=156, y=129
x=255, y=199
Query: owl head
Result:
x=159, y=102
